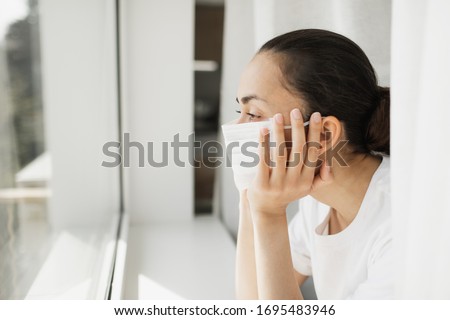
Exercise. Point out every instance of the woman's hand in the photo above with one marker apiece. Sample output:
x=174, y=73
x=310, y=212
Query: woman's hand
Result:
x=290, y=178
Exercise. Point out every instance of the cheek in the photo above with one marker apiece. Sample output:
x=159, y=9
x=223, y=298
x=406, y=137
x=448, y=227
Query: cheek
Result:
x=288, y=135
x=240, y=120
x=287, y=119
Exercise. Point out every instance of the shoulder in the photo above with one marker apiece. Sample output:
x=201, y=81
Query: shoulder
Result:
x=383, y=176
x=379, y=218
x=377, y=201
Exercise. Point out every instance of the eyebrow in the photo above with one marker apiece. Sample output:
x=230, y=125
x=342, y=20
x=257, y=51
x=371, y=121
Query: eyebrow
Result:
x=247, y=99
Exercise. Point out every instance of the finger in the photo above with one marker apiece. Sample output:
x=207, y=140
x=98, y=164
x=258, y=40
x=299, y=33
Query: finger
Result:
x=280, y=156
x=298, y=141
x=264, y=155
x=313, y=146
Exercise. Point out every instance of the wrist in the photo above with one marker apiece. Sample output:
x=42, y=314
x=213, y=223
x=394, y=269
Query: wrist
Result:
x=266, y=218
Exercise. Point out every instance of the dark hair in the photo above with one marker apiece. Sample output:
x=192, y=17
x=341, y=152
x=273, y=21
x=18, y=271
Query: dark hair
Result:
x=334, y=76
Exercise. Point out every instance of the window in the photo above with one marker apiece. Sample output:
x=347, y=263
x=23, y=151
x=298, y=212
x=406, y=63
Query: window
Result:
x=24, y=164
x=59, y=207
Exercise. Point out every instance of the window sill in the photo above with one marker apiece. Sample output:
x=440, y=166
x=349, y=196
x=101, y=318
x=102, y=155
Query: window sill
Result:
x=180, y=260
x=77, y=265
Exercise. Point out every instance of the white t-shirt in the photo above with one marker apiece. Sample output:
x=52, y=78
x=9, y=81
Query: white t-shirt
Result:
x=357, y=262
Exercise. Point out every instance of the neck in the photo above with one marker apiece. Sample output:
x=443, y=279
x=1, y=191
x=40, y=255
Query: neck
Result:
x=346, y=193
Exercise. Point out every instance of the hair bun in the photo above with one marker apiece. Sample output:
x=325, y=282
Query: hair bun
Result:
x=378, y=128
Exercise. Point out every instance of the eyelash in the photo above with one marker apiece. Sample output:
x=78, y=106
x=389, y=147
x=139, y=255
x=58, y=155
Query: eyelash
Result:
x=251, y=115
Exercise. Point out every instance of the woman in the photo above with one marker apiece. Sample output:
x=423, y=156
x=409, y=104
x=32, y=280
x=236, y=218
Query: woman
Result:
x=341, y=235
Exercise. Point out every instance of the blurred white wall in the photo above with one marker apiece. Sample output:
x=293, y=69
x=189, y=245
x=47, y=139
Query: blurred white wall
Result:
x=79, y=93
x=368, y=23
x=157, y=60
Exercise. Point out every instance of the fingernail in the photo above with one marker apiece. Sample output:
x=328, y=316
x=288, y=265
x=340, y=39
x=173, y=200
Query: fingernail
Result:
x=296, y=114
x=316, y=117
x=279, y=118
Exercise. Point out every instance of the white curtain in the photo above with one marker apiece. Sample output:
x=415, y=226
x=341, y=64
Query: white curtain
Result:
x=367, y=22
x=420, y=133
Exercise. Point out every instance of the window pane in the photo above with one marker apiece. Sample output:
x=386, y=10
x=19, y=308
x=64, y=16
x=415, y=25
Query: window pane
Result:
x=24, y=164
x=58, y=106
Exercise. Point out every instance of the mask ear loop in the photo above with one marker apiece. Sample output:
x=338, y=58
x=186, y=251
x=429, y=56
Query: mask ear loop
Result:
x=305, y=124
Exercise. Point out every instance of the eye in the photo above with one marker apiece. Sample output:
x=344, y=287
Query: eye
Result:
x=251, y=116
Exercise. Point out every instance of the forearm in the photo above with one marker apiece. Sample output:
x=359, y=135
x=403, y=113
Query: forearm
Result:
x=275, y=275
x=246, y=285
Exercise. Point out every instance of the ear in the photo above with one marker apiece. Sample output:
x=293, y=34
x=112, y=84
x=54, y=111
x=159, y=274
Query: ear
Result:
x=331, y=133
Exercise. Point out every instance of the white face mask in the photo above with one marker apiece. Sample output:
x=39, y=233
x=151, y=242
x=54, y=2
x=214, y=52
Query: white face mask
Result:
x=241, y=141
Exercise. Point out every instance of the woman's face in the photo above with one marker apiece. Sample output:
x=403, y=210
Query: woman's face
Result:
x=261, y=93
